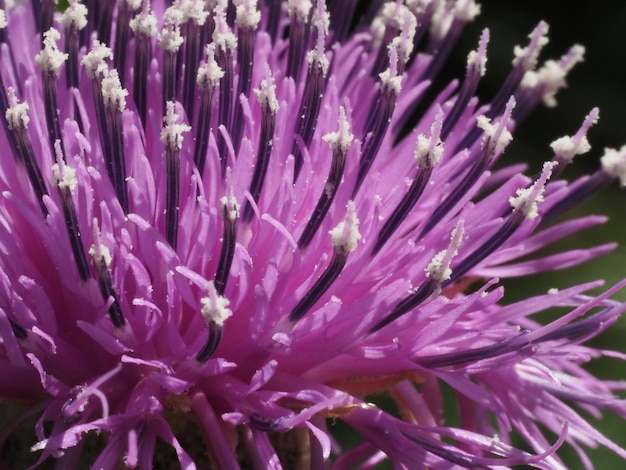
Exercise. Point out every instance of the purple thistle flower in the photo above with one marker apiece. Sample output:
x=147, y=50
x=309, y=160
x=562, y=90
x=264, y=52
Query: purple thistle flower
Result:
x=224, y=227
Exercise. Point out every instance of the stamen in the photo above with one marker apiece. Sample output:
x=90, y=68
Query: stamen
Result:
x=230, y=214
x=476, y=62
x=566, y=148
x=208, y=78
x=299, y=11
x=97, y=70
x=64, y=178
x=345, y=237
x=527, y=199
x=17, y=120
x=399, y=25
x=225, y=44
x=423, y=11
x=50, y=60
x=438, y=273
x=170, y=41
x=550, y=78
x=496, y=138
x=247, y=19
x=114, y=98
x=101, y=257
x=269, y=105
x=525, y=60
x=379, y=117
x=172, y=138
x=614, y=164
x=340, y=142
x=313, y=89
x=428, y=153
x=74, y=19
x=215, y=312
x=125, y=10
x=524, y=207
x=144, y=26
x=446, y=27
x=195, y=18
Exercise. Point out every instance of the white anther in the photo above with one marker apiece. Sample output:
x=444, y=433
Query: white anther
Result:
x=614, y=163
x=215, y=307
x=210, y=73
x=526, y=199
x=99, y=252
x=267, y=93
x=172, y=132
x=17, y=113
x=223, y=36
x=439, y=267
x=429, y=150
x=144, y=24
x=299, y=10
x=342, y=139
x=113, y=95
x=95, y=62
x=248, y=15
x=74, y=16
x=50, y=58
x=345, y=235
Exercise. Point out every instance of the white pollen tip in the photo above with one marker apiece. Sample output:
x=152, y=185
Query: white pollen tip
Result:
x=50, y=58
x=209, y=74
x=614, y=163
x=144, y=24
x=345, y=235
x=526, y=199
x=267, y=93
x=17, y=113
x=247, y=15
x=527, y=57
x=299, y=10
x=74, y=16
x=3, y=19
x=567, y=148
x=342, y=139
x=95, y=60
x=99, y=252
x=466, y=10
x=113, y=95
x=232, y=208
x=63, y=176
x=439, y=267
x=497, y=136
x=172, y=132
x=390, y=80
x=170, y=39
x=429, y=151
x=193, y=10
x=215, y=307
x=223, y=36
x=478, y=59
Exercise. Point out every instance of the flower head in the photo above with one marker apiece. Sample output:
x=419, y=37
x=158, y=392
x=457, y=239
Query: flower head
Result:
x=225, y=220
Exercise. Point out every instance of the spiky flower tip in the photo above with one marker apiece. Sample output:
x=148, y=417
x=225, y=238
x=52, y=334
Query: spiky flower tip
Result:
x=219, y=235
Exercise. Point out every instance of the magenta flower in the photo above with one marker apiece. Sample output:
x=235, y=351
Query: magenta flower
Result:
x=224, y=228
